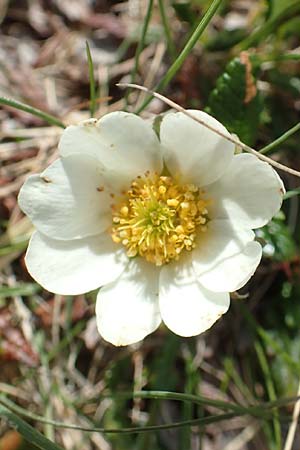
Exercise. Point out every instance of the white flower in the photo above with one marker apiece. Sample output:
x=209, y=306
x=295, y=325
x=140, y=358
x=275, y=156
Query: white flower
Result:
x=164, y=225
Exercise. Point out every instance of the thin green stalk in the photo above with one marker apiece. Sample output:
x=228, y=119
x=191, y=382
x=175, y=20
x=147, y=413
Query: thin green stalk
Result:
x=14, y=247
x=293, y=365
x=141, y=43
x=29, y=433
x=274, y=57
x=4, y=411
x=270, y=389
x=66, y=340
x=140, y=46
x=167, y=30
x=291, y=194
x=31, y=110
x=185, y=51
x=270, y=26
x=280, y=139
x=239, y=383
x=92, y=80
x=24, y=289
x=262, y=411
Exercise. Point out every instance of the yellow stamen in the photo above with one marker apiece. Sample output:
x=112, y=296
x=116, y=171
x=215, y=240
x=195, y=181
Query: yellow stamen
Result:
x=159, y=218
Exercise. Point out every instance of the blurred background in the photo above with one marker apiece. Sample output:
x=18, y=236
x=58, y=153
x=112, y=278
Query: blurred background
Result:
x=244, y=69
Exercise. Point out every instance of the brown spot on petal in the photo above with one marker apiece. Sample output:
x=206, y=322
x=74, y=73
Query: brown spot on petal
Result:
x=100, y=188
x=46, y=179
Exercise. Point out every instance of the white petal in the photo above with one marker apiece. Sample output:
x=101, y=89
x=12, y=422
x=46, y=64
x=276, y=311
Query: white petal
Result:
x=193, y=152
x=127, y=310
x=225, y=257
x=125, y=144
x=74, y=267
x=186, y=307
x=65, y=202
x=249, y=193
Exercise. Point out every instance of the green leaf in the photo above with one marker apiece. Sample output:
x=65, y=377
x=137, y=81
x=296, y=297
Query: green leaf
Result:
x=278, y=240
x=92, y=80
x=235, y=101
x=30, y=434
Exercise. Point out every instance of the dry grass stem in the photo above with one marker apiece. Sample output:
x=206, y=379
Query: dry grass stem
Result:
x=236, y=142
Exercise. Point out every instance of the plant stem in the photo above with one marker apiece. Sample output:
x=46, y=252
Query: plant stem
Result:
x=92, y=80
x=280, y=139
x=170, y=43
x=185, y=51
x=29, y=433
x=31, y=110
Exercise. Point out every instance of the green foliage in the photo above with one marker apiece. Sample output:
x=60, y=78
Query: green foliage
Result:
x=278, y=7
x=283, y=338
x=30, y=434
x=280, y=12
x=226, y=39
x=92, y=80
x=24, y=289
x=292, y=193
x=185, y=12
x=285, y=82
x=191, y=42
x=277, y=238
x=233, y=104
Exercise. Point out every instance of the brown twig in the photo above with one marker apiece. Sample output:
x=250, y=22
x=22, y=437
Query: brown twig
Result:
x=236, y=142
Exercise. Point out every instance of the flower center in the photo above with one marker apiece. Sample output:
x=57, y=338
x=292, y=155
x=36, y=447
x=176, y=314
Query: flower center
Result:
x=158, y=218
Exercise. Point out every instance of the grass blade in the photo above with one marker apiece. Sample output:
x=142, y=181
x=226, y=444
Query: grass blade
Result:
x=280, y=139
x=140, y=46
x=263, y=411
x=24, y=289
x=185, y=51
x=270, y=389
x=292, y=193
x=92, y=80
x=270, y=26
x=28, y=433
x=31, y=110
x=170, y=43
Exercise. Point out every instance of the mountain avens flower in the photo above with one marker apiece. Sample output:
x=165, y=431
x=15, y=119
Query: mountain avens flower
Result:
x=162, y=225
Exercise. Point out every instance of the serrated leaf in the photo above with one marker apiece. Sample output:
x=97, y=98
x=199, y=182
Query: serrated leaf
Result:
x=235, y=101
